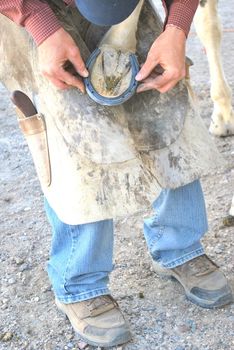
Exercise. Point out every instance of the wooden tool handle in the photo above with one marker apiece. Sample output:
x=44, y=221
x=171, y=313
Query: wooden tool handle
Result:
x=23, y=102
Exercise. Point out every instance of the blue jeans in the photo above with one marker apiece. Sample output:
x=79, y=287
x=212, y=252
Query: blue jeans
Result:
x=81, y=255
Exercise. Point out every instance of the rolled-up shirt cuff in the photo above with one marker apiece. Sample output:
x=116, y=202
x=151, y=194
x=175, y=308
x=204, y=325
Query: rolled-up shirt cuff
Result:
x=42, y=24
x=181, y=14
x=70, y=3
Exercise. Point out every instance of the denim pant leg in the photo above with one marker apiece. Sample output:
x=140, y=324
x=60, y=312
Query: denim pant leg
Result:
x=173, y=234
x=80, y=258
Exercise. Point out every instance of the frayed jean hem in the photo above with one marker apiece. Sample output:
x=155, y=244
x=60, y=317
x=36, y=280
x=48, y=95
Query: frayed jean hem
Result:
x=184, y=258
x=83, y=296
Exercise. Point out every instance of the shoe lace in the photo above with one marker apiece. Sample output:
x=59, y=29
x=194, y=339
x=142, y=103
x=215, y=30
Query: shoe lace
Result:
x=97, y=302
x=202, y=265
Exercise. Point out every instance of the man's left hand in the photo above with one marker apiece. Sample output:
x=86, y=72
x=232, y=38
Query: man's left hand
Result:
x=168, y=51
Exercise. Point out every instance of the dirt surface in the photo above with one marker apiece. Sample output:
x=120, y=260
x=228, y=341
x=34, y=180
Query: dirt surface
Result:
x=158, y=312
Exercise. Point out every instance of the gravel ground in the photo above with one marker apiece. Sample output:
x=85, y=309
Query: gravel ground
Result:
x=158, y=312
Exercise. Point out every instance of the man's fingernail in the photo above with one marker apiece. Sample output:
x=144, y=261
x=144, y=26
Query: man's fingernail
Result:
x=141, y=88
x=85, y=73
x=138, y=76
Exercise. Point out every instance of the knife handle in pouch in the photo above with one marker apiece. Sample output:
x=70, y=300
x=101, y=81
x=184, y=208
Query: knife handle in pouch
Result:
x=33, y=127
x=23, y=103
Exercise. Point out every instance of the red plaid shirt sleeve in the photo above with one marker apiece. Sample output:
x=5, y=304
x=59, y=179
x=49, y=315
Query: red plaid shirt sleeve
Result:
x=180, y=13
x=35, y=15
x=40, y=21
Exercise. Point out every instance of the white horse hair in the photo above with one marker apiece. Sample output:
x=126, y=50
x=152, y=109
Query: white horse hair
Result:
x=209, y=29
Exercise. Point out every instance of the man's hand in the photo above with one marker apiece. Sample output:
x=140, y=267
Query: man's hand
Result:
x=168, y=51
x=54, y=53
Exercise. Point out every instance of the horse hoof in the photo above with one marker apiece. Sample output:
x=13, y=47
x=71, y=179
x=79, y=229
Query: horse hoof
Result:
x=218, y=127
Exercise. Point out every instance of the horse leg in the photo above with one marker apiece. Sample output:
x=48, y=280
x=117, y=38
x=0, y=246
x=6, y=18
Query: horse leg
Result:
x=111, y=72
x=123, y=35
x=208, y=27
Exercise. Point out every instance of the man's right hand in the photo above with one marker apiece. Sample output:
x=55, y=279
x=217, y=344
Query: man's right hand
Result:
x=54, y=52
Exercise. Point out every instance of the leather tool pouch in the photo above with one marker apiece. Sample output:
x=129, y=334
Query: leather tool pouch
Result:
x=34, y=130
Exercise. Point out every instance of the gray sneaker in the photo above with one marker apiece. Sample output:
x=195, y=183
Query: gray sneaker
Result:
x=203, y=282
x=97, y=321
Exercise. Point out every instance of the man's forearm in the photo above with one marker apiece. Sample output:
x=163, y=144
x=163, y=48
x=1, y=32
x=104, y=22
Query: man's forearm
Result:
x=180, y=13
x=40, y=21
x=36, y=16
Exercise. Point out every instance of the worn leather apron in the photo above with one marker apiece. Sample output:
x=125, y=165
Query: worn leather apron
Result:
x=106, y=162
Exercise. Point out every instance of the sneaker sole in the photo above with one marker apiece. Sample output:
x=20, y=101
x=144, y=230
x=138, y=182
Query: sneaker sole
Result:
x=220, y=302
x=118, y=341
x=123, y=338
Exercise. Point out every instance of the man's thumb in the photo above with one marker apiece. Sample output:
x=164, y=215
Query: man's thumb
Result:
x=77, y=61
x=146, y=69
